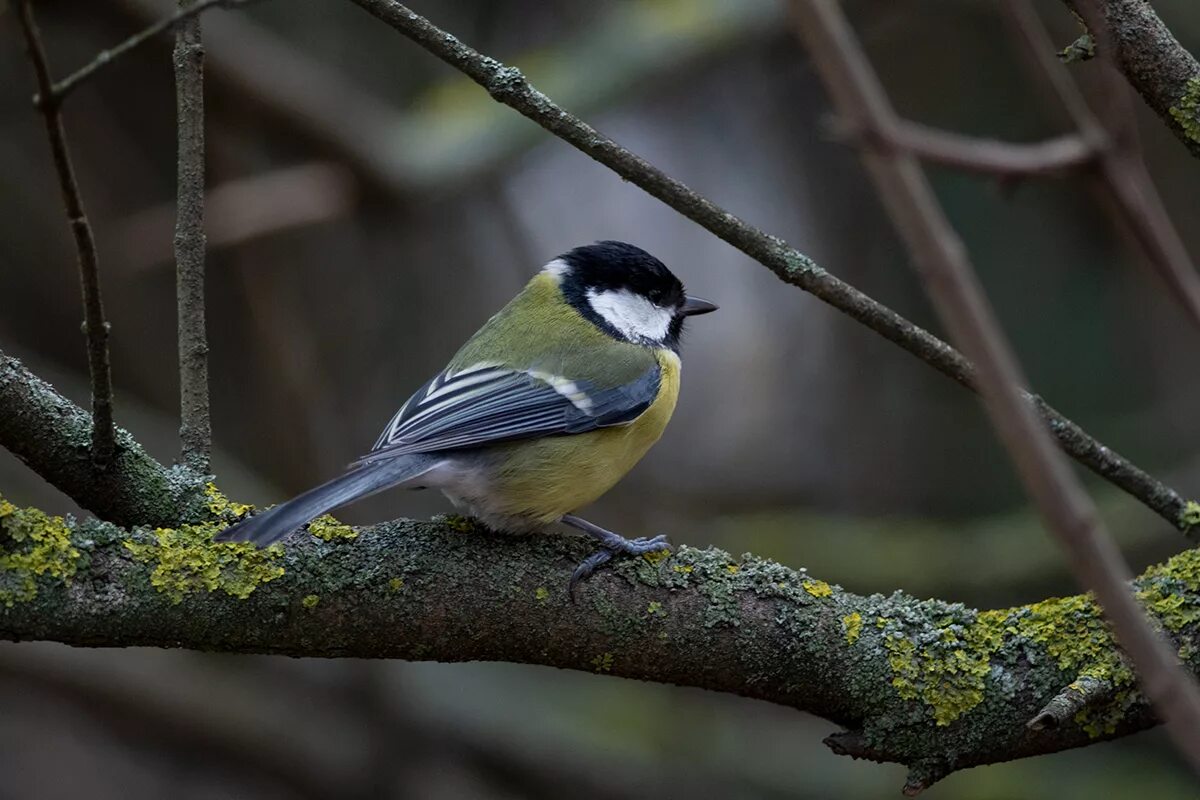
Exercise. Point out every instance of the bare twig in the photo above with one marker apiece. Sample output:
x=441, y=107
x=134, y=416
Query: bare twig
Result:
x=195, y=432
x=985, y=156
x=1082, y=693
x=508, y=86
x=952, y=285
x=105, y=57
x=95, y=326
x=1137, y=203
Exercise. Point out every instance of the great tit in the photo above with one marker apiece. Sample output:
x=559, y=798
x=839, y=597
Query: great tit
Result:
x=541, y=412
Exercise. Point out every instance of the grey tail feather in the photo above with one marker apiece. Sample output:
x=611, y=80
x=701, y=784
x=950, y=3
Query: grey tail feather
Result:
x=263, y=529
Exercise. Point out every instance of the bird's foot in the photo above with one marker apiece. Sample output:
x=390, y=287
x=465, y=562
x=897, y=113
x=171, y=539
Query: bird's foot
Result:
x=611, y=544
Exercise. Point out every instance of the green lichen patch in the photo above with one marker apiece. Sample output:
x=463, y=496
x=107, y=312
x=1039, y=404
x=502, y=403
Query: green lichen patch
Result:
x=1082, y=49
x=817, y=588
x=32, y=544
x=602, y=663
x=1171, y=591
x=187, y=560
x=541, y=594
x=310, y=600
x=852, y=625
x=795, y=264
x=329, y=529
x=395, y=585
x=1189, y=517
x=222, y=507
x=944, y=654
x=656, y=557
x=941, y=658
x=457, y=523
x=655, y=609
x=1187, y=110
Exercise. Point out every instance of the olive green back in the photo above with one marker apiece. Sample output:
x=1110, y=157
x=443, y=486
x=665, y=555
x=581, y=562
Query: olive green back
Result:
x=539, y=329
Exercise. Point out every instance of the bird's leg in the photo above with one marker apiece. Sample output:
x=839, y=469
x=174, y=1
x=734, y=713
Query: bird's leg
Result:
x=610, y=545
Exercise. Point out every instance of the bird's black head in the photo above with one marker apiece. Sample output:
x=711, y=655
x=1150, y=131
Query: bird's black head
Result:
x=626, y=292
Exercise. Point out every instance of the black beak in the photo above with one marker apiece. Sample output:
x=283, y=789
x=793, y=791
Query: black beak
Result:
x=694, y=305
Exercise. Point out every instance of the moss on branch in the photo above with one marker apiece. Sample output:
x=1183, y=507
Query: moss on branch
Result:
x=53, y=435
x=935, y=685
x=1156, y=65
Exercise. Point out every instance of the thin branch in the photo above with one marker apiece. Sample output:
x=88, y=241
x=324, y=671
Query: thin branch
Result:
x=1137, y=203
x=60, y=90
x=508, y=86
x=95, y=326
x=195, y=432
x=959, y=299
x=984, y=156
x=1086, y=692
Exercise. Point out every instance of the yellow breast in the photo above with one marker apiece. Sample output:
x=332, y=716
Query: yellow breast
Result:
x=546, y=478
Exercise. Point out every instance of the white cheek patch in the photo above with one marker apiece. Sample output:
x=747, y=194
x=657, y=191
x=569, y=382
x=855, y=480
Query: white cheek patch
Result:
x=633, y=315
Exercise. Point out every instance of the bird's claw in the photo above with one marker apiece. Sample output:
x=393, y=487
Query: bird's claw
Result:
x=612, y=547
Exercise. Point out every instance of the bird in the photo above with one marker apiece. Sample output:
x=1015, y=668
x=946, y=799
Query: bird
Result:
x=543, y=410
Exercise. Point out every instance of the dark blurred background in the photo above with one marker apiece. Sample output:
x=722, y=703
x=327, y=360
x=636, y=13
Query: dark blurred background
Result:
x=369, y=208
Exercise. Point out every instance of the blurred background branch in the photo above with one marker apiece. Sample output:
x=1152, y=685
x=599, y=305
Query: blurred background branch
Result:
x=1002, y=160
x=1125, y=182
x=941, y=258
x=447, y=137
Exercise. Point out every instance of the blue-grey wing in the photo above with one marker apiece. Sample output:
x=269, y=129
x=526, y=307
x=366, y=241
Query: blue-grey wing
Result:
x=487, y=404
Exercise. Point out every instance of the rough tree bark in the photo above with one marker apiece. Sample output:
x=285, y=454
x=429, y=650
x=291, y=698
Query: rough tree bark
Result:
x=1162, y=71
x=933, y=685
x=51, y=434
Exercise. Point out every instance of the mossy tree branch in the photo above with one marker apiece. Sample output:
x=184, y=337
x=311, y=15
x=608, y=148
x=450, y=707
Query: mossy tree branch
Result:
x=934, y=685
x=930, y=684
x=51, y=435
x=1156, y=65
